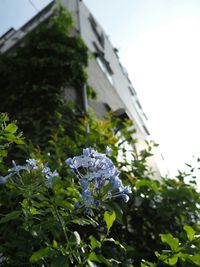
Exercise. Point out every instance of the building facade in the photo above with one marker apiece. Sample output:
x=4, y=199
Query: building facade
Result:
x=106, y=75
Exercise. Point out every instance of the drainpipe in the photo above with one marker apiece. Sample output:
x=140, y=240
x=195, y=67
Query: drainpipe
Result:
x=86, y=106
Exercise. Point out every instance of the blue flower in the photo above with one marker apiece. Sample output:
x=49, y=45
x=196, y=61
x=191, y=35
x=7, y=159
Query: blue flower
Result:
x=108, y=150
x=17, y=168
x=117, y=183
x=127, y=190
x=69, y=162
x=32, y=164
x=94, y=171
x=49, y=175
x=84, y=184
x=88, y=199
x=3, y=179
x=125, y=197
x=87, y=152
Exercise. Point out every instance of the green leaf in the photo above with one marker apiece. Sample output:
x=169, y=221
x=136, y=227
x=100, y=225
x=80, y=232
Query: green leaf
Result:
x=94, y=243
x=190, y=232
x=34, y=211
x=157, y=254
x=99, y=258
x=109, y=218
x=94, y=257
x=10, y=216
x=147, y=264
x=55, y=244
x=195, y=259
x=112, y=206
x=40, y=254
x=171, y=261
x=167, y=259
x=148, y=183
x=19, y=141
x=11, y=128
x=171, y=241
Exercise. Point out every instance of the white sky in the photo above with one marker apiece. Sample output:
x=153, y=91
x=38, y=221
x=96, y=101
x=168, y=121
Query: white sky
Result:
x=18, y=12
x=159, y=44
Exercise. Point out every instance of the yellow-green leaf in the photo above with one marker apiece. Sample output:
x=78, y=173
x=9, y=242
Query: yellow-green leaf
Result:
x=190, y=232
x=171, y=241
x=94, y=243
x=11, y=128
x=109, y=218
x=171, y=261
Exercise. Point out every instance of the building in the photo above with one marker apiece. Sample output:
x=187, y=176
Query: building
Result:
x=106, y=74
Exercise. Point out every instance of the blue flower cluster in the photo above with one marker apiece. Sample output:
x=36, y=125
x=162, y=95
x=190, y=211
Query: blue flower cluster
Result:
x=31, y=164
x=99, y=178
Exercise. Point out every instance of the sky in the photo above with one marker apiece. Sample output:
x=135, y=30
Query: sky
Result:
x=18, y=12
x=159, y=45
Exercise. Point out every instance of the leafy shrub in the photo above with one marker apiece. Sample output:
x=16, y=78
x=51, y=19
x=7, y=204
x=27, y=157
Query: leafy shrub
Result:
x=39, y=225
x=155, y=207
x=9, y=135
x=39, y=213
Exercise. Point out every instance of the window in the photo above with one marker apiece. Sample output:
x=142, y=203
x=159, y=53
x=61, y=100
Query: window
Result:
x=132, y=91
x=146, y=130
x=99, y=35
x=138, y=103
x=104, y=65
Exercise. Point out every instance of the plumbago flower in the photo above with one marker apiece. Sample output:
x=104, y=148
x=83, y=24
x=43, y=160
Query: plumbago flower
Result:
x=99, y=178
x=31, y=164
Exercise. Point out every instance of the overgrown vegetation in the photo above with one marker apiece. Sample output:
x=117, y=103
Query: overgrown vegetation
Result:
x=36, y=73
x=41, y=223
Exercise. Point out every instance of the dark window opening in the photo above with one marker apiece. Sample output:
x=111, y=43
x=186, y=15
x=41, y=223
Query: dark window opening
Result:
x=99, y=35
x=138, y=103
x=103, y=63
x=132, y=91
x=146, y=130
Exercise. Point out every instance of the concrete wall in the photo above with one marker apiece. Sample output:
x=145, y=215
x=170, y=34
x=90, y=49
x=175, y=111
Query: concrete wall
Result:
x=105, y=72
x=117, y=93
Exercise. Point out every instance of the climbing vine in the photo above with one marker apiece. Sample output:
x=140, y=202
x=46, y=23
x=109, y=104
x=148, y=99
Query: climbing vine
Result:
x=35, y=74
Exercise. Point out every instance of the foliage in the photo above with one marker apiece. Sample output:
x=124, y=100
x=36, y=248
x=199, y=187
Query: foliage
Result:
x=156, y=207
x=37, y=226
x=187, y=253
x=39, y=222
x=9, y=135
x=34, y=76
